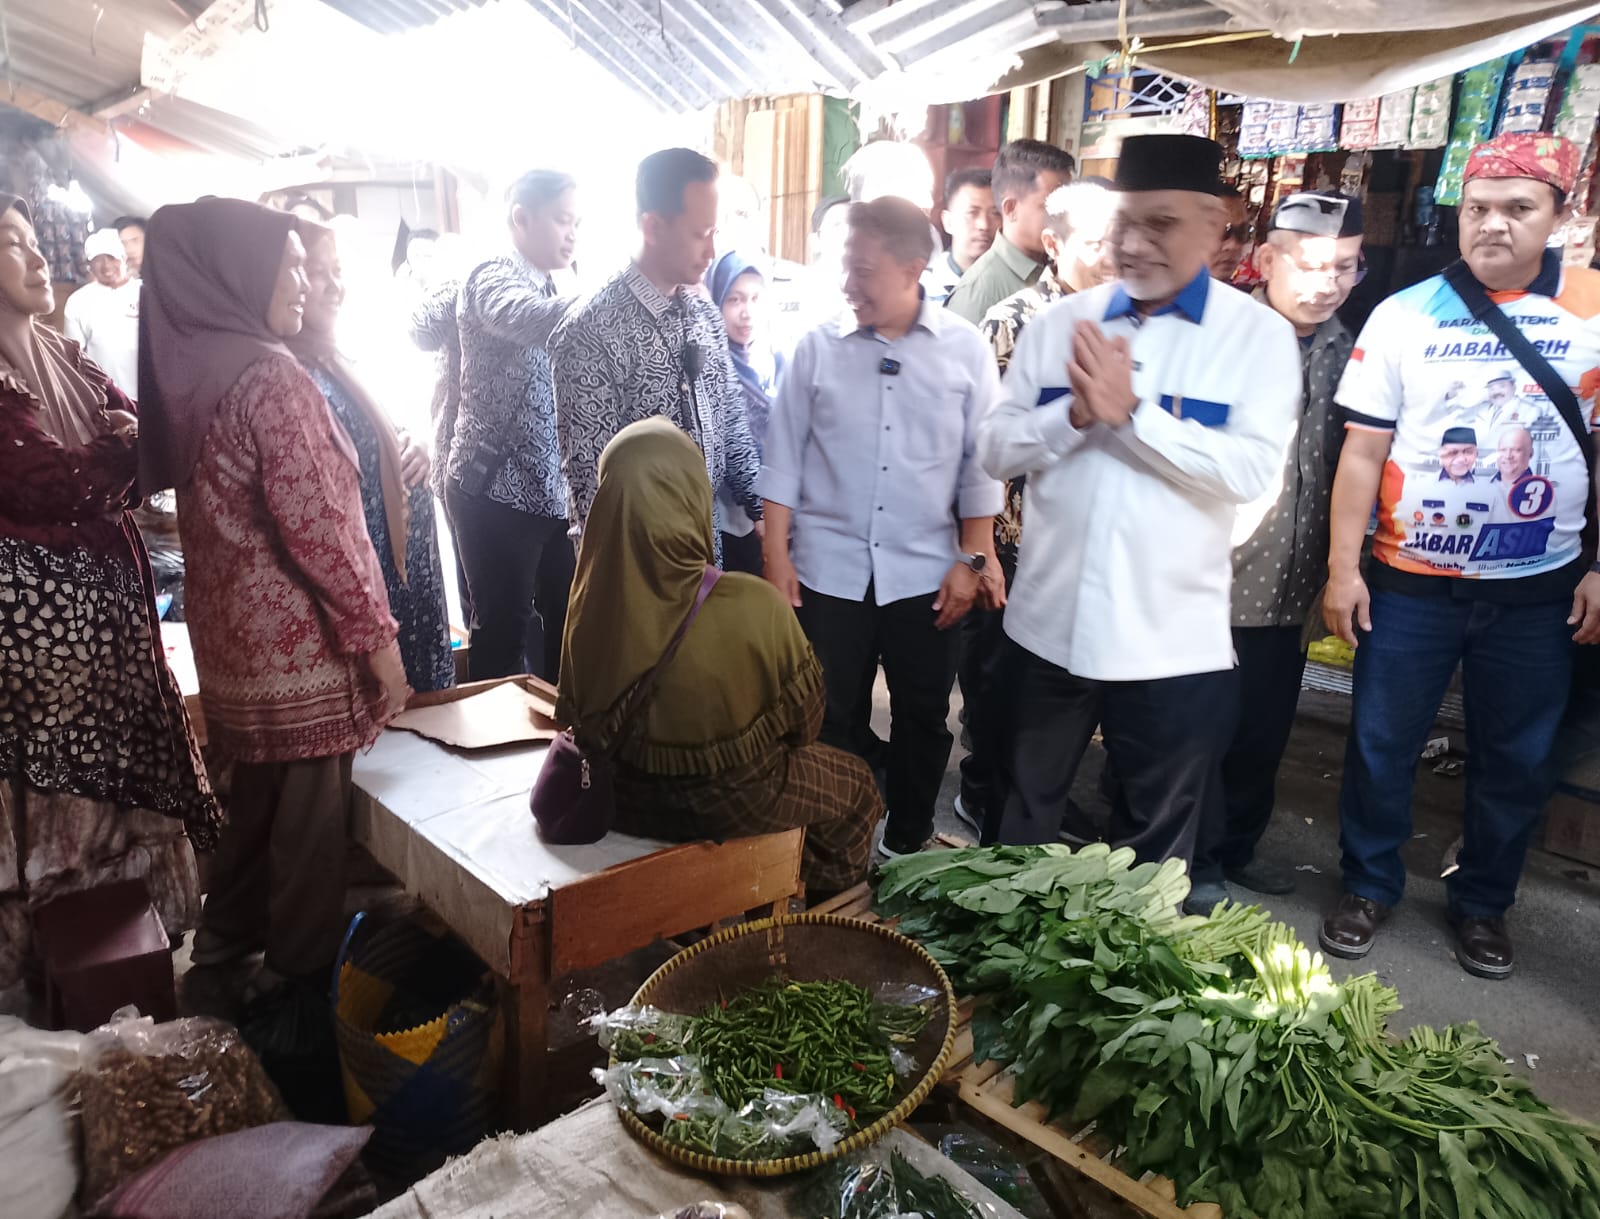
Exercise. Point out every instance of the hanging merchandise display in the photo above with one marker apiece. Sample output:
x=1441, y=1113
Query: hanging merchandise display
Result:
x=1318, y=128
x=1528, y=96
x=1475, y=111
x=1394, y=118
x=1580, y=105
x=1430, y=114
x=1359, y=130
x=1198, y=114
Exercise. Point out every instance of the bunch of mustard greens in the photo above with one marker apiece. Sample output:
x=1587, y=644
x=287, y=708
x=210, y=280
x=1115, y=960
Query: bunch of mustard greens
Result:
x=1223, y=1054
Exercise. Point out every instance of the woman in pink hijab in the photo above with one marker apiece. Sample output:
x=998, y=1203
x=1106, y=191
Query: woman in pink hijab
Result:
x=284, y=597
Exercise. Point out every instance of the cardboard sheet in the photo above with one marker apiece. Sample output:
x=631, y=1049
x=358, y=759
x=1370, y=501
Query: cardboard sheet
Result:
x=506, y=714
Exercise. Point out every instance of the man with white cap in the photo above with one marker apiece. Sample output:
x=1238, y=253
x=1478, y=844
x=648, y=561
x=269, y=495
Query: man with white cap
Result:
x=1311, y=261
x=103, y=315
x=1143, y=413
x=1492, y=576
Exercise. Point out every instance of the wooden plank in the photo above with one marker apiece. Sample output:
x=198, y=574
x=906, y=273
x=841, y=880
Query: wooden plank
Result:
x=603, y=916
x=53, y=111
x=1057, y=1144
x=526, y=994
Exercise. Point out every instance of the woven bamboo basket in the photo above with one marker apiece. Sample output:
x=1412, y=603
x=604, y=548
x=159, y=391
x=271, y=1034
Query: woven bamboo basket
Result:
x=802, y=948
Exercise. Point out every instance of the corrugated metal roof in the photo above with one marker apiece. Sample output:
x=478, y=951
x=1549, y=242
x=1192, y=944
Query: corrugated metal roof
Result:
x=84, y=52
x=397, y=16
x=690, y=54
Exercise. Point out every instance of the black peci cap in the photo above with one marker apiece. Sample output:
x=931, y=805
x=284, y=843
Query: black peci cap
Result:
x=1169, y=162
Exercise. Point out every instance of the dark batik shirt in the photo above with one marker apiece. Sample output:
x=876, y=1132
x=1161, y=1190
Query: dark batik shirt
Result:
x=1279, y=569
x=505, y=315
x=1002, y=326
x=619, y=359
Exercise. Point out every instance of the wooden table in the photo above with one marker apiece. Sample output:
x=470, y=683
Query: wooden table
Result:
x=455, y=829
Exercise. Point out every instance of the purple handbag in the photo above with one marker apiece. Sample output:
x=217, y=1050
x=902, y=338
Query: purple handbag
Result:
x=574, y=799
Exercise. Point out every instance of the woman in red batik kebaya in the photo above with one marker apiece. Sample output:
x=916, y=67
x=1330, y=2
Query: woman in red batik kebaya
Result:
x=284, y=597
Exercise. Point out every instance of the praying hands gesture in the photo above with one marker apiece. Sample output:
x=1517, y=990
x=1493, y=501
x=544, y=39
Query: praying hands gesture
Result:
x=1101, y=373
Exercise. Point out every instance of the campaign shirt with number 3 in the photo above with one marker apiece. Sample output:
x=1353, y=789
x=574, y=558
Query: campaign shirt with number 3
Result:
x=1484, y=479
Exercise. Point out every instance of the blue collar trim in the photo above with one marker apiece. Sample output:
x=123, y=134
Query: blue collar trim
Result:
x=1191, y=302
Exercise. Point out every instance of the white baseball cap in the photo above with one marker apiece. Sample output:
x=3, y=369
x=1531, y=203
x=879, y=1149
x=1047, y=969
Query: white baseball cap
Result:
x=103, y=241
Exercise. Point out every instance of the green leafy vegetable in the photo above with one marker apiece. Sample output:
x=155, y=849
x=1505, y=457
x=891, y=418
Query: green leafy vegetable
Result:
x=1222, y=1053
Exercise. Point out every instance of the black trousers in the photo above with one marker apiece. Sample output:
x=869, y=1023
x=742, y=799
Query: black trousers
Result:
x=1271, y=664
x=851, y=638
x=743, y=554
x=983, y=647
x=518, y=566
x=1164, y=736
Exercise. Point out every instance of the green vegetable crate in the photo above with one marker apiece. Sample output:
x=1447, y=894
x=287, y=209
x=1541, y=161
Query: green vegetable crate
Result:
x=987, y=1090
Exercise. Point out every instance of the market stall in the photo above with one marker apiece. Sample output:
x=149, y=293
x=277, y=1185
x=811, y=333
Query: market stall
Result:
x=452, y=825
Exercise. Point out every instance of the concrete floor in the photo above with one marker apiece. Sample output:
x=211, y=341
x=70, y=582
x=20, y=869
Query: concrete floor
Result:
x=1550, y=1008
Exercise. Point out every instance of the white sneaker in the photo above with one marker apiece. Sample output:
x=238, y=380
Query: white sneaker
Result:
x=884, y=850
x=966, y=817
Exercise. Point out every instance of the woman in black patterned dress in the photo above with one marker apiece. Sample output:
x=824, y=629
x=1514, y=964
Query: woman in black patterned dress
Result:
x=394, y=478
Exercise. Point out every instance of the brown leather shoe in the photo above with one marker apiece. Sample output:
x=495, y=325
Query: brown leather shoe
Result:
x=1483, y=948
x=1349, y=931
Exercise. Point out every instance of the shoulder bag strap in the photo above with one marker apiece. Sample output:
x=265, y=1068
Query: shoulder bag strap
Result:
x=639, y=696
x=1484, y=310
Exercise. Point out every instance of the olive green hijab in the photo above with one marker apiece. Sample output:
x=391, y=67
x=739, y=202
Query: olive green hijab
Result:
x=727, y=693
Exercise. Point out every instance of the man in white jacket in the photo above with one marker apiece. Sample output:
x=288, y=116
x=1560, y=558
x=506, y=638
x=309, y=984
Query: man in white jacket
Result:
x=1143, y=413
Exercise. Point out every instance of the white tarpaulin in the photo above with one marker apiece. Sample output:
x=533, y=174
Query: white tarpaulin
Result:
x=1333, y=69
x=1304, y=18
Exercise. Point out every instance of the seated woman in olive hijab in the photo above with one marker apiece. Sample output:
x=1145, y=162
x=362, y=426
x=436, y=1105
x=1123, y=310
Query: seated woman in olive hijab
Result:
x=726, y=745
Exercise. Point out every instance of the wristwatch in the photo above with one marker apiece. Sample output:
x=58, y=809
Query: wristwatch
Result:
x=975, y=561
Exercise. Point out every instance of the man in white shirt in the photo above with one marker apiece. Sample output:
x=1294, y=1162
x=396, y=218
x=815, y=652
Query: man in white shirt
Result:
x=103, y=315
x=970, y=220
x=870, y=457
x=1143, y=413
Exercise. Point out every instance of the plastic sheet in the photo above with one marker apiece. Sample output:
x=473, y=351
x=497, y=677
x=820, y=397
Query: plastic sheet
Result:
x=148, y=1088
x=884, y=1184
x=774, y=1124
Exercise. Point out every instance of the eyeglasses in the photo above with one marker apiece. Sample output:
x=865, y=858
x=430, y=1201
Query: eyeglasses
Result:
x=1236, y=232
x=1339, y=275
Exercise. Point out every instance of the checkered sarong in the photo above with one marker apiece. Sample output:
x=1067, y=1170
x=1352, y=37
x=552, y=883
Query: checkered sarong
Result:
x=829, y=792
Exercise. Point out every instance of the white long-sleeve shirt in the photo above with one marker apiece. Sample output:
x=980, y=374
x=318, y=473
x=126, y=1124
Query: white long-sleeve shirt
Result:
x=1126, y=561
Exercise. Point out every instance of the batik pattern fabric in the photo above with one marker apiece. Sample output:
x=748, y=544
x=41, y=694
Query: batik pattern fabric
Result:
x=1280, y=556
x=417, y=602
x=284, y=594
x=505, y=314
x=433, y=329
x=88, y=706
x=619, y=358
x=1002, y=326
x=1526, y=154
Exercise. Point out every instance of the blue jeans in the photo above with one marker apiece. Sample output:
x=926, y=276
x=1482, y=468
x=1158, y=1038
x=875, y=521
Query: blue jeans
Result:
x=1517, y=669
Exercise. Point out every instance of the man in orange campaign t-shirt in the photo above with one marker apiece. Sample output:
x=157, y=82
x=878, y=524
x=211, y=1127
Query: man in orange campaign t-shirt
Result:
x=1482, y=490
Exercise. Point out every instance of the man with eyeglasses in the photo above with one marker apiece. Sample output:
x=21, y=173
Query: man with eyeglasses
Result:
x=1311, y=260
x=1226, y=261
x=1077, y=217
x=1143, y=413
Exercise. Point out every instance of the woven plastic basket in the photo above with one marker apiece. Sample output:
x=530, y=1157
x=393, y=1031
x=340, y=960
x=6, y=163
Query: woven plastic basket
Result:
x=802, y=948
